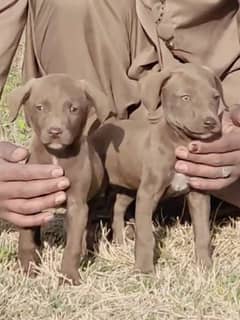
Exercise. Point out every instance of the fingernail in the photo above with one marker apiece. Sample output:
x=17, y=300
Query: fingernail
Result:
x=181, y=167
x=63, y=184
x=182, y=153
x=60, y=198
x=194, y=183
x=194, y=147
x=57, y=172
x=48, y=218
x=19, y=154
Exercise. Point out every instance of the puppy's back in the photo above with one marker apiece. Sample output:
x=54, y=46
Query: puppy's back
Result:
x=121, y=146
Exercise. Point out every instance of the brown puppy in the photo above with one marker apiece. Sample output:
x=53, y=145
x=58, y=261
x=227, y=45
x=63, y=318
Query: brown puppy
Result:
x=141, y=156
x=57, y=107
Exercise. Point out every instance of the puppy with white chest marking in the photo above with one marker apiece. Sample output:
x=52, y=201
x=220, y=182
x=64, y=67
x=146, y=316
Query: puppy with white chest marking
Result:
x=56, y=107
x=183, y=105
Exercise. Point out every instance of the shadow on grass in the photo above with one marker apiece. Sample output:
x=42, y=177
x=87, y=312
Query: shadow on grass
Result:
x=166, y=217
x=168, y=214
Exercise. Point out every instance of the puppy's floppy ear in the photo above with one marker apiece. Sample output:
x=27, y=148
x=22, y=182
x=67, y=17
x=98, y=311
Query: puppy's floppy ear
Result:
x=224, y=106
x=219, y=88
x=151, y=87
x=18, y=97
x=98, y=99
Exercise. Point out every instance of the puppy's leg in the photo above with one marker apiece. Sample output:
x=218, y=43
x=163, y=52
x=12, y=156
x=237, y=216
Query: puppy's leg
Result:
x=144, y=245
x=77, y=217
x=199, y=207
x=130, y=229
x=29, y=248
x=120, y=206
x=29, y=245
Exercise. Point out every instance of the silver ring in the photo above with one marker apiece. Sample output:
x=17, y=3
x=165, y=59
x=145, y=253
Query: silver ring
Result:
x=226, y=172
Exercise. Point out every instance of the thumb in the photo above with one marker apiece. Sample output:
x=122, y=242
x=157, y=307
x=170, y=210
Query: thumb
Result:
x=235, y=114
x=12, y=153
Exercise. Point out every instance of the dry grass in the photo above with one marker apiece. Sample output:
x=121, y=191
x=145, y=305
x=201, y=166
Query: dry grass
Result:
x=110, y=288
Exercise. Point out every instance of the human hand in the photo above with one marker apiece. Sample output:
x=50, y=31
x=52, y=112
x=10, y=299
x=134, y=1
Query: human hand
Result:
x=213, y=165
x=28, y=189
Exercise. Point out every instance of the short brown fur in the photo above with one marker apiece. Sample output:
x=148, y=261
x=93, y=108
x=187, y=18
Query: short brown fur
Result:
x=57, y=107
x=141, y=156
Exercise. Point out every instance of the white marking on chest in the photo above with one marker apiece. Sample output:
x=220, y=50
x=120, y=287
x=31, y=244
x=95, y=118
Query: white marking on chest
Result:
x=179, y=183
x=54, y=160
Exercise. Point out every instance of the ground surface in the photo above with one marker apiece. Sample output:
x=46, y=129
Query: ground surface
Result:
x=110, y=288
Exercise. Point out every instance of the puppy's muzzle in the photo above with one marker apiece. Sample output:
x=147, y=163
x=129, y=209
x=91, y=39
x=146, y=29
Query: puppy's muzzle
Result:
x=55, y=132
x=211, y=124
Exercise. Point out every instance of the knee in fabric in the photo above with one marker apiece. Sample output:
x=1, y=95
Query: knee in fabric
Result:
x=68, y=6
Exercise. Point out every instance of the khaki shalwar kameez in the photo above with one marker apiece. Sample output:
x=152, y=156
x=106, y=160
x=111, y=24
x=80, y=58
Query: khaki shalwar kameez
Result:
x=91, y=39
x=105, y=42
x=113, y=42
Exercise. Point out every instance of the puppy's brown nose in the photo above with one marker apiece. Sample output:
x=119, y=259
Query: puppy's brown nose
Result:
x=54, y=131
x=210, y=123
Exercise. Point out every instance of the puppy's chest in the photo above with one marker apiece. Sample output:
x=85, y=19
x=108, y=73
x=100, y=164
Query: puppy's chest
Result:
x=54, y=160
x=75, y=170
x=72, y=169
x=177, y=182
x=69, y=167
x=178, y=185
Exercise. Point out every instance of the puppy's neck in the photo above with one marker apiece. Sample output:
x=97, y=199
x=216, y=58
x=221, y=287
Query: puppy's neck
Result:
x=70, y=151
x=175, y=133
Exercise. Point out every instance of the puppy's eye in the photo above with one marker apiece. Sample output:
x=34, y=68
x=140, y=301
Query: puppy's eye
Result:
x=73, y=109
x=39, y=107
x=186, y=98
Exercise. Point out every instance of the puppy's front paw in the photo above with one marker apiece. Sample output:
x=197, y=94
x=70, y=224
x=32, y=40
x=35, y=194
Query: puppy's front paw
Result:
x=118, y=237
x=204, y=260
x=29, y=259
x=144, y=267
x=130, y=230
x=70, y=276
